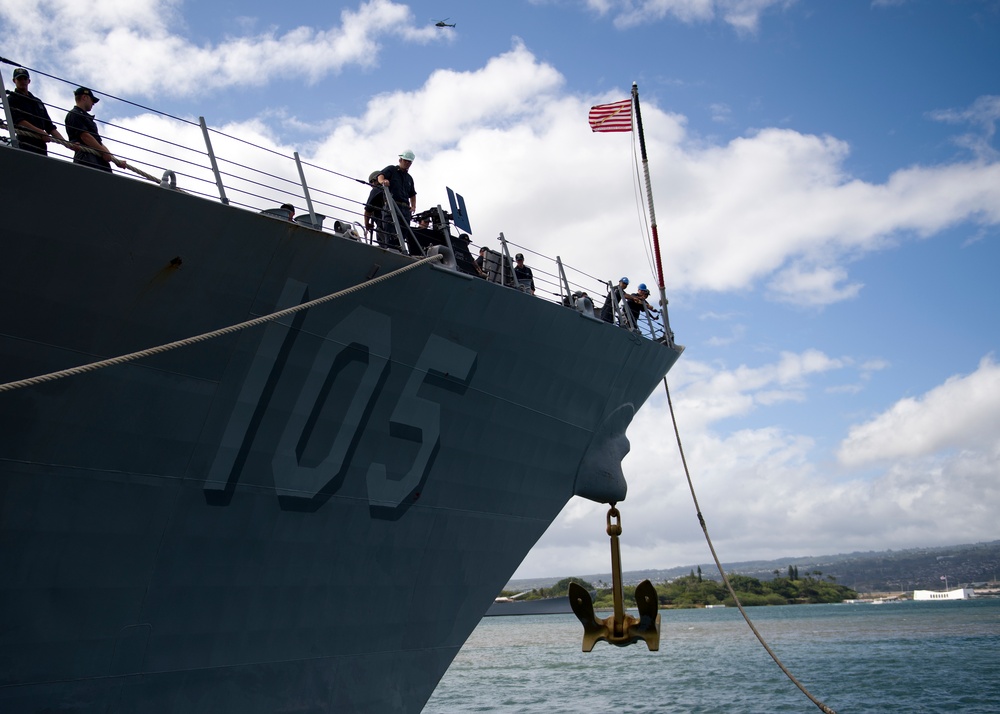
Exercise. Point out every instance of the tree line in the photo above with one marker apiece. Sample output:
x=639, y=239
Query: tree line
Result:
x=791, y=589
x=695, y=591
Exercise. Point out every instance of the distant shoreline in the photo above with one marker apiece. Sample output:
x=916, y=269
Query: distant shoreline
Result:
x=872, y=573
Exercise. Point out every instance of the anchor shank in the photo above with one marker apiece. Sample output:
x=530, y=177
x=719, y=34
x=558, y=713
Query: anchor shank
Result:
x=614, y=530
x=619, y=629
x=616, y=567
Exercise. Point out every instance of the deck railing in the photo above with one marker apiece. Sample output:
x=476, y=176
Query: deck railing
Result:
x=240, y=171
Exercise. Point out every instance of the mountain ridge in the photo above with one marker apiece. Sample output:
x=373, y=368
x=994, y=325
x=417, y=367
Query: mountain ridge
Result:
x=863, y=571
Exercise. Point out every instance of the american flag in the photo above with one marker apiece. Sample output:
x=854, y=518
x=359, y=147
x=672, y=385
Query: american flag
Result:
x=616, y=116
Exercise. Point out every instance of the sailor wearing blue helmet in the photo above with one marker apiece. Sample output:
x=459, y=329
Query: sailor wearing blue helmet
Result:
x=637, y=303
x=615, y=296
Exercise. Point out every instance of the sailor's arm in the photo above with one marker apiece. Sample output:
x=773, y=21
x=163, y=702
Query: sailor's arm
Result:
x=87, y=139
x=25, y=124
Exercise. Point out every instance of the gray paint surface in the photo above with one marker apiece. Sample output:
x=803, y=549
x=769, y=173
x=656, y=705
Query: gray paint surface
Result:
x=307, y=516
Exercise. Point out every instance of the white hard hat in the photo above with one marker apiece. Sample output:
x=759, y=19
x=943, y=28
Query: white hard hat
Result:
x=408, y=155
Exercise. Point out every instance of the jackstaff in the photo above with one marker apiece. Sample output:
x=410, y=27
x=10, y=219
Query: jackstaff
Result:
x=617, y=117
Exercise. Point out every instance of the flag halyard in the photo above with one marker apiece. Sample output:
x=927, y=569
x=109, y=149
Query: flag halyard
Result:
x=616, y=116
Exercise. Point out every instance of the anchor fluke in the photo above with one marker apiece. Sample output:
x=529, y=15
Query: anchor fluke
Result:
x=646, y=627
x=594, y=630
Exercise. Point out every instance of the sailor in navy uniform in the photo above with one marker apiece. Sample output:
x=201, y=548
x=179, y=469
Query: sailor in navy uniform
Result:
x=28, y=112
x=81, y=128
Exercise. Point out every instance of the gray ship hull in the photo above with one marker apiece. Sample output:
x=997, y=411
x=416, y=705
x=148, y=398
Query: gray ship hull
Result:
x=307, y=516
x=545, y=606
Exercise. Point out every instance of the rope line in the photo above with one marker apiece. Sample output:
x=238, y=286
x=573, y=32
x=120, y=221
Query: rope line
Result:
x=82, y=147
x=823, y=707
x=94, y=366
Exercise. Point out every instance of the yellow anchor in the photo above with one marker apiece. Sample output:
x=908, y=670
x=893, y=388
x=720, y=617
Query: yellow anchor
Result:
x=619, y=629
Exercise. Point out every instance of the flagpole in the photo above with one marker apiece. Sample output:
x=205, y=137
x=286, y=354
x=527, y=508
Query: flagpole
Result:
x=652, y=217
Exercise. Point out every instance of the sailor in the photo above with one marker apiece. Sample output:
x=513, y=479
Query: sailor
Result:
x=401, y=185
x=480, y=262
x=637, y=303
x=291, y=210
x=377, y=219
x=30, y=114
x=523, y=274
x=82, y=129
x=614, y=298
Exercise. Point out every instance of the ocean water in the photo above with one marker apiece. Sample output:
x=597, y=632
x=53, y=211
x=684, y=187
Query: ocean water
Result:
x=908, y=657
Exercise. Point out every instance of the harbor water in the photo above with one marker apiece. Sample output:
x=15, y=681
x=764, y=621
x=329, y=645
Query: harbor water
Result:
x=895, y=657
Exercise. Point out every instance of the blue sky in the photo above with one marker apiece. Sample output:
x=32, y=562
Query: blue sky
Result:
x=827, y=189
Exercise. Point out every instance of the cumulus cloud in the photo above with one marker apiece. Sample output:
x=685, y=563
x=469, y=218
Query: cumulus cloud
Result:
x=806, y=285
x=983, y=116
x=780, y=204
x=163, y=62
x=960, y=414
x=711, y=394
x=743, y=15
x=772, y=483
x=775, y=209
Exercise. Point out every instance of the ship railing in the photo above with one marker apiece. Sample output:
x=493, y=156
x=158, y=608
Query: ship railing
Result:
x=571, y=287
x=241, y=167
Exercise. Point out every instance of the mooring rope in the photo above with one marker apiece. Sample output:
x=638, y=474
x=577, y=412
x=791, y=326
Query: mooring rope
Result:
x=823, y=707
x=93, y=366
x=82, y=147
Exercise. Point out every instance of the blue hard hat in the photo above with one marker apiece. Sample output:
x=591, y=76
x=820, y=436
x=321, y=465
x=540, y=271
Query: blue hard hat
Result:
x=642, y=286
x=624, y=280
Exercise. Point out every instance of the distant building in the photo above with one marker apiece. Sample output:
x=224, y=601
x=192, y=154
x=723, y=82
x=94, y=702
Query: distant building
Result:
x=956, y=594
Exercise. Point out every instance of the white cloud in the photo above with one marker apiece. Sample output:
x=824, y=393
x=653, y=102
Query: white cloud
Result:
x=774, y=209
x=711, y=394
x=779, y=203
x=163, y=62
x=510, y=92
x=865, y=371
x=743, y=15
x=773, y=484
x=721, y=112
x=737, y=333
x=806, y=285
x=961, y=414
x=983, y=114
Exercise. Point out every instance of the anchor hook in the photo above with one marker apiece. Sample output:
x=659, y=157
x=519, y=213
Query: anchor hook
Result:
x=620, y=629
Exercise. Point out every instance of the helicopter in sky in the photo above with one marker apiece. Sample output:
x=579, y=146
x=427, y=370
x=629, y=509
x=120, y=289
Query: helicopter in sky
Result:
x=444, y=23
